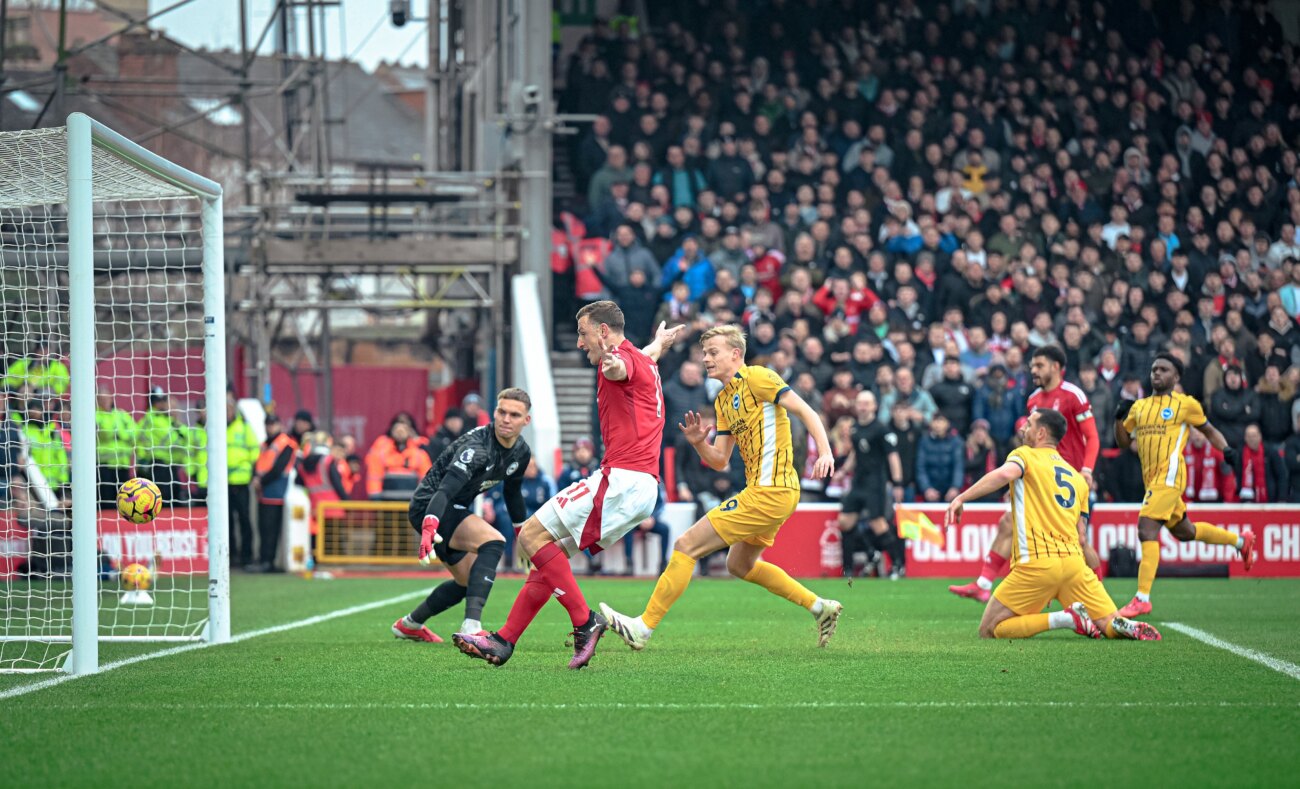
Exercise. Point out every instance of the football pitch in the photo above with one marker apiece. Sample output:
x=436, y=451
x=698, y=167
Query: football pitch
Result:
x=732, y=691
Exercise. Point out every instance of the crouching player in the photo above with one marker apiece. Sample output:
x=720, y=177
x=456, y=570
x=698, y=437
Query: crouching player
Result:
x=1049, y=511
x=464, y=542
x=752, y=412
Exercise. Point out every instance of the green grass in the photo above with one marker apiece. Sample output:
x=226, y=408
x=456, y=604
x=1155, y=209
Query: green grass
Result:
x=732, y=691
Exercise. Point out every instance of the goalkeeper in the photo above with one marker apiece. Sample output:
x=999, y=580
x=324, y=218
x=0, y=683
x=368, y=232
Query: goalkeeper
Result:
x=468, y=545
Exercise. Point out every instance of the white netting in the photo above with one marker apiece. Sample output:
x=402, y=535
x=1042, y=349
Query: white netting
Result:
x=149, y=336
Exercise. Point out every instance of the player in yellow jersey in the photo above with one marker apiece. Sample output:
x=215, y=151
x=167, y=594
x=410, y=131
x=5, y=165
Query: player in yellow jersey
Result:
x=753, y=413
x=1049, y=513
x=1159, y=425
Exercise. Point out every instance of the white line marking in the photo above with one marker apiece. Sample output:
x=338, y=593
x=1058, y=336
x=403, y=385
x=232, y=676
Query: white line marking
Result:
x=1277, y=664
x=668, y=706
x=23, y=690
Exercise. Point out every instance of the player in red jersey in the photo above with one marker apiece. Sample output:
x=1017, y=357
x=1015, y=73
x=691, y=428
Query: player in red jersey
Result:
x=1079, y=448
x=596, y=512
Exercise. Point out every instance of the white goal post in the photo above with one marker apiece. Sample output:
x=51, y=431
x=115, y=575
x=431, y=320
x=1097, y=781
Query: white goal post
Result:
x=112, y=257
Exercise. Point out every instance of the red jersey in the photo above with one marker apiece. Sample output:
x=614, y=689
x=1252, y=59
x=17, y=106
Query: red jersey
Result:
x=632, y=413
x=1073, y=405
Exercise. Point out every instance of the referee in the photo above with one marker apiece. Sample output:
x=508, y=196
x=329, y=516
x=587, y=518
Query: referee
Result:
x=875, y=463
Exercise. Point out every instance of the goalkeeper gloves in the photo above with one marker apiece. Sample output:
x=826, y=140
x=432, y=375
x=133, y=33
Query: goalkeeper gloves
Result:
x=1230, y=457
x=1121, y=411
x=428, y=538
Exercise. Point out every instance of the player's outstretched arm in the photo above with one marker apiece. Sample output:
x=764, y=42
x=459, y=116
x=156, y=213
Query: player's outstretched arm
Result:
x=995, y=480
x=1220, y=443
x=794, y=404
x=612, y=364
x=664, y=339
x=716, y=455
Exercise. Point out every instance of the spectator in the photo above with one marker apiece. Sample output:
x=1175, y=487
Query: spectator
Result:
x=453, y=424
x=1208, y=478
x=628, y=255
x=1262, y=476
x=42, y=371
x=160, y=447
x=689, y=265
x=982, y=456
x=272, y=483
x=471, y=406
x=41, y=430
x=918, y=402
x=583, y=465
x=242, y=450
x=615, y=170
x=319, y=471
x=952, y=396
x=1233, y=407
x=115, y=446
x=1101, y=398
x=940, y=463
x=1275, y=395
x=999, y=404
x=194, y=453
x=396, y=461
x=686, y=392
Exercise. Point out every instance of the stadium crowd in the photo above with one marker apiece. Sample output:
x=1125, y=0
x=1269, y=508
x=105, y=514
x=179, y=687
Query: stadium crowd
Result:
x=910, y=197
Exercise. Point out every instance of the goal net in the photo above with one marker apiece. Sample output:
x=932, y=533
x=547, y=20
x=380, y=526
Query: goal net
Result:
x=112, y=335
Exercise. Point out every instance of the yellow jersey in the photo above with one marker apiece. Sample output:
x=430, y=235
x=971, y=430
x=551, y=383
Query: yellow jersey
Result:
x=1046, y=503
x=1161, y=426
x=747, y=409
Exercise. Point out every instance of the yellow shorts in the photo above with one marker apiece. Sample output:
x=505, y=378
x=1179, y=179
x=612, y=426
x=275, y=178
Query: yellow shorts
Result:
x=1164, y=505
x=1033, y=584
x=754, y=516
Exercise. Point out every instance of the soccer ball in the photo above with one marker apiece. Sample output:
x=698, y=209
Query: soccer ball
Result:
x=139, y=500
x=136, y=577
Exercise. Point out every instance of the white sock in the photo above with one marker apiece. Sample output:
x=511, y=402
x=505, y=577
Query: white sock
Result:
x=1146, y=598
x=471, y=626
x=817, y=607
x=408, y=622
x=644, y=627
x=984, y=583
x=1241, y=543
x=1058, y=620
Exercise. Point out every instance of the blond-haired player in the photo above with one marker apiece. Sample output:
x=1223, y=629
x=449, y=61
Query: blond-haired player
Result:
x=1049, y=513
x=753, y=413
x=1159, y=426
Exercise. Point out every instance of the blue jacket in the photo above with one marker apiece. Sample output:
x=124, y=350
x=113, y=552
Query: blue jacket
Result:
x=699, y=277
x=1001, y=418
x=939, y=463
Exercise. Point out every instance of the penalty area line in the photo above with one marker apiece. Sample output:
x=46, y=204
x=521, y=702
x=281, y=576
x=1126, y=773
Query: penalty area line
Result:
x=1277, y=664
x=23, y=690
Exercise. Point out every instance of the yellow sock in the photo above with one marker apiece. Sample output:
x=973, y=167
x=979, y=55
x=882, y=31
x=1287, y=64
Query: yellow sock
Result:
x=1208, y=532
x=1110, y=630
x=669, y=587
x=779, y=583
x=1147, y=569
x=1021, y=626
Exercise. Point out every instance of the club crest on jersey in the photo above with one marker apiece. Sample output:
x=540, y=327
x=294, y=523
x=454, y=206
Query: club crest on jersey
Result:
x=1167, y=414
x=467, y=456
x=735, y=401
x=512, y=468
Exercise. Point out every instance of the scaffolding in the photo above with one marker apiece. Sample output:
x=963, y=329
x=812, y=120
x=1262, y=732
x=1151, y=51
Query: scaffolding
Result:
x=419, y=248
